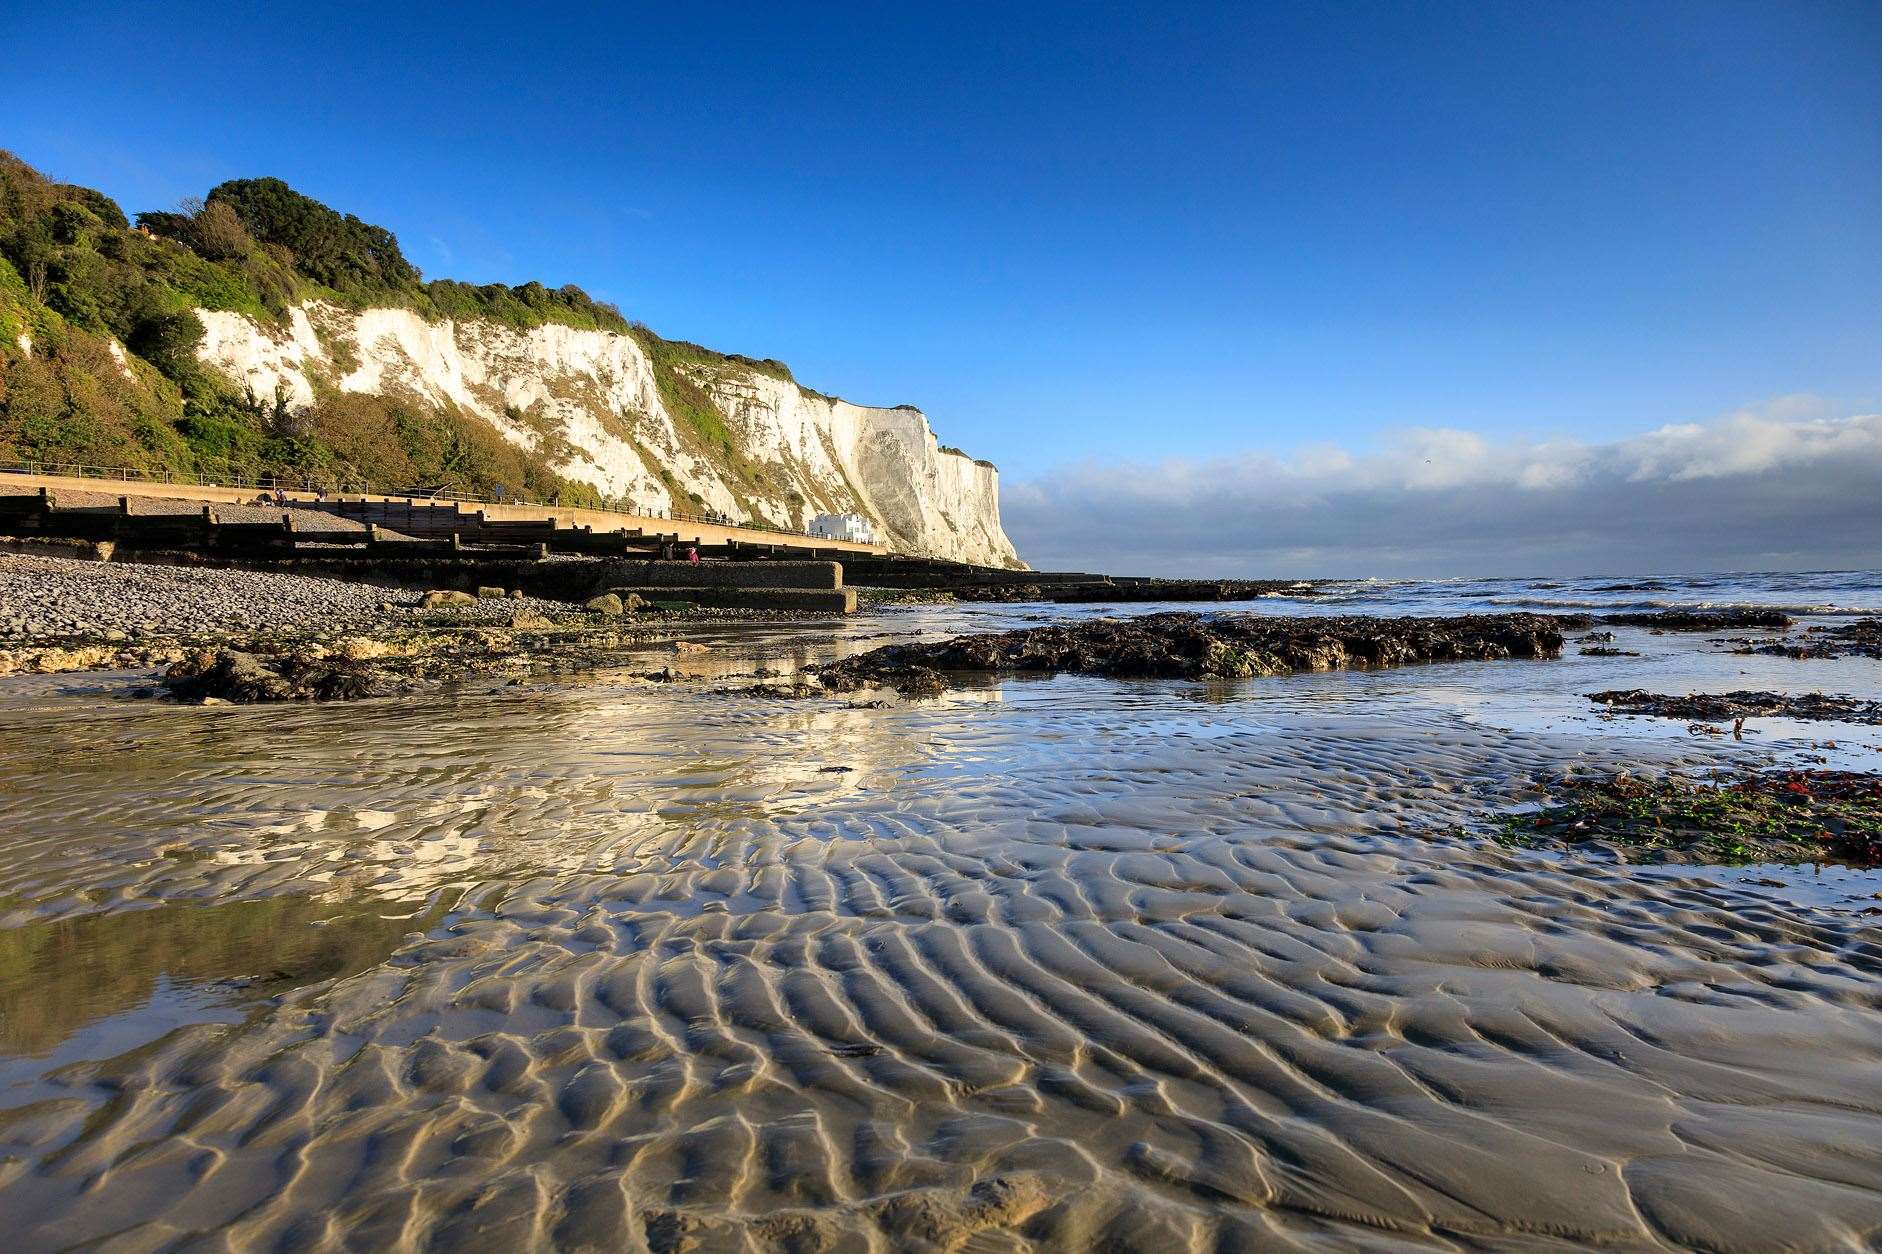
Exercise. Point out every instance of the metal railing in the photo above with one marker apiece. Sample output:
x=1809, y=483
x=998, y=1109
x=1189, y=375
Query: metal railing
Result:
x=334, y=484
x=79, y=470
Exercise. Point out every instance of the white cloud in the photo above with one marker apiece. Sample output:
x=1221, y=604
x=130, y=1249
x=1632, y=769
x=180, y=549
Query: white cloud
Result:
x=1759, y=489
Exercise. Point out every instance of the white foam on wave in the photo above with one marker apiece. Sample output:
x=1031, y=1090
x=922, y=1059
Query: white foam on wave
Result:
x=1662, y=603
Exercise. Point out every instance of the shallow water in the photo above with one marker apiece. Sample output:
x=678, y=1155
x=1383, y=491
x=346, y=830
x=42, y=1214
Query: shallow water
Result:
x=1798, y=592
x=1166, y=964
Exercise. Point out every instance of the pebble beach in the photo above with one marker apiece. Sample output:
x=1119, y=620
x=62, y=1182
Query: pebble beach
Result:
x=52, y=598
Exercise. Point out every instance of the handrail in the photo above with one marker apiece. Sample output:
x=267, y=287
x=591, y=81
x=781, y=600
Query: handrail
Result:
x=333, y=484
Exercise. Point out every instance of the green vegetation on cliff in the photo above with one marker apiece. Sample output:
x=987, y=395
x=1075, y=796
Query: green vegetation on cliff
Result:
x=283, y=247
x=98, y=340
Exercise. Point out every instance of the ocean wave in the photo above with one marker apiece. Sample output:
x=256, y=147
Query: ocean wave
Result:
x=1661, y=603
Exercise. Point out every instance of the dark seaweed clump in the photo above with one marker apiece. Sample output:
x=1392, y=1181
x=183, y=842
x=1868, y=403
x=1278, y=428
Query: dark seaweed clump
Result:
x=1862, y=638
x=1719, y=707
x=1728, y=619
x=1789, y=816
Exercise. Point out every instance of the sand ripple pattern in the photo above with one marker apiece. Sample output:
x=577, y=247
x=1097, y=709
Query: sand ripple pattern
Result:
x=1045, y=973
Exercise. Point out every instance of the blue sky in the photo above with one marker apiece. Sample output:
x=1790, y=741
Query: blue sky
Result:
x=1082, y=231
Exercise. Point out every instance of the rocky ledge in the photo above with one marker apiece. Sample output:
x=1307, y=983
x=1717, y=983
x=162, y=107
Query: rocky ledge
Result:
x=1862, y=638
x=1197, y=646
x=1720, y=707
x=369, y=666
x=1727, y=618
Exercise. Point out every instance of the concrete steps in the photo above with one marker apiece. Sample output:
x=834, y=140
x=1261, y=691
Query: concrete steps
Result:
x=834, y=601
x=770, y=585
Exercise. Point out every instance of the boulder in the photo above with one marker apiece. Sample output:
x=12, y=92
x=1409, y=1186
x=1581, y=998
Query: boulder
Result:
x=618, y=601
x=362, y=648
x=488, y=593
x=230, y=675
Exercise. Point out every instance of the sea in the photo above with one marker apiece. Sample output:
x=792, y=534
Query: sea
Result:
x=1816, y=592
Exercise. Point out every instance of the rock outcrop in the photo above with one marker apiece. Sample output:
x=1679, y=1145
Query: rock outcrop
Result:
x=1194, y=646
x=1725, y=618
x=744, y=440
x=1719, y=707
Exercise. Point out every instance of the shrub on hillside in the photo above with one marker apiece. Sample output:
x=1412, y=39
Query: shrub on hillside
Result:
x=354, y=258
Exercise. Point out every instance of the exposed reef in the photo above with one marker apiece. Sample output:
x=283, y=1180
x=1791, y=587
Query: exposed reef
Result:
x=232, y=675
x=1718, y=707
x=369, y=666
x=1730, y=618
x=1789, y=816
x=1195, y=646
x=1862, y=638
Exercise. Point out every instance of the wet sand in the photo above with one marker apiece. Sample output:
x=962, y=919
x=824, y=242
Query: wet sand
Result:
x=1073, y=962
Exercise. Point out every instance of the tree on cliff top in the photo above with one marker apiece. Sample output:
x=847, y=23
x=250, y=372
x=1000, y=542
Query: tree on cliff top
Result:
x=354, y=258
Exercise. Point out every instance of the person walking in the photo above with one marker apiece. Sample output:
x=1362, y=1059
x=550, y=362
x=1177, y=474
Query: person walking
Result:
x=692, y=555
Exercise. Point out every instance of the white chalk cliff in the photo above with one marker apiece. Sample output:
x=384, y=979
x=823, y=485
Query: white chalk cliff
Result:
x=589, y=404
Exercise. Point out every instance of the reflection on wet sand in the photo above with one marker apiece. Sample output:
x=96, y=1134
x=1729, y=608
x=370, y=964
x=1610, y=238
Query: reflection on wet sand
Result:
x=1158, y=966
x=60, y=975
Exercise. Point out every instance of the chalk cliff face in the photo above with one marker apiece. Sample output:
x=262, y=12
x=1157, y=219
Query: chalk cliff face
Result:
x=591, y=405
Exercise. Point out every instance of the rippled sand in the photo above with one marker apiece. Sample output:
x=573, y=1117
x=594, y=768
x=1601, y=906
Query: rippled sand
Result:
x=606, y=966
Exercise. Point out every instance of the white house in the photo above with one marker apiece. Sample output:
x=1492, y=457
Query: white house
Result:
x=852, y=527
